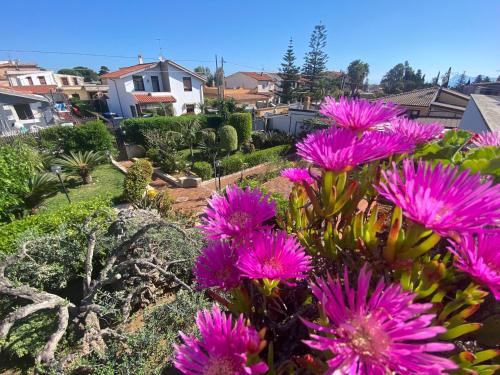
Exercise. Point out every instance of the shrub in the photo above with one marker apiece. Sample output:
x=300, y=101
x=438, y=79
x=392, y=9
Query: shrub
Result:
x=228, y=138
x=173, y=161
x=266, y=155
x=135, y=127
x=242, y=122
x=80, y=163
x=203, y=170
x=263, y=139
x=138, y=177
x=91, y=136
x=232, y=164
x=48, y=222
x=247, y=147
x=214, y=121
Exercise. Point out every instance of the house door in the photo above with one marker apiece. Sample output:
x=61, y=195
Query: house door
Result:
x=133, y=110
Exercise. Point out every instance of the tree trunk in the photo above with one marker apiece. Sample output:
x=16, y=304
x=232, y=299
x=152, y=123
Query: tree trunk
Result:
x=87, y=178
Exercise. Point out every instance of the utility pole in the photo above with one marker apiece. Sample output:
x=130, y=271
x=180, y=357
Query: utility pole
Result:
x=217, y=77
x=222, y=74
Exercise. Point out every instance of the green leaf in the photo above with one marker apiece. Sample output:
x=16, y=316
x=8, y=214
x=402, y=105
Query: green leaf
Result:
x=460, y=331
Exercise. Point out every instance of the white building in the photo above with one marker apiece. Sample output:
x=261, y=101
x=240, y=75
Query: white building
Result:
x=23, y=112
x=136, y=88
x=261, y=82
x=41, y=78
x=482, y=114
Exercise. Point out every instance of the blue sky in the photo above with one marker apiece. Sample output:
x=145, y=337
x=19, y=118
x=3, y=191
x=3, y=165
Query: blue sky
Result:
x=252, y=35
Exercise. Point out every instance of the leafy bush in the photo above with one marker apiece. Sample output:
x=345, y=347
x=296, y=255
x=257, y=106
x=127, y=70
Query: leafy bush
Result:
x=247, y=147
x=91, y=136
x=18, y=163
x=265, y=139
x=266, y=155
x=137, y=178
x=173, y=162
x=135, y=127
x=242, y=122
x=232, y=164
x=228, y=138
x=47, y=222
x=203, y=170
x=80, y=163
x=214, y=121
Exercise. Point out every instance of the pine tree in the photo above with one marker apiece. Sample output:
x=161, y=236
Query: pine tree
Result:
x=435, y=80
x=459, y=86
x=289, y=74
x=478, y=79
x=446, y=78
x=316, y=58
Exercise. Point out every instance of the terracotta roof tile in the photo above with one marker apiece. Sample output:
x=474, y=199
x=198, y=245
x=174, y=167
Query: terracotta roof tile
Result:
x=127, y=70
x=35, y=89
x=418, y=98
x=148, y=98
x=258, y=76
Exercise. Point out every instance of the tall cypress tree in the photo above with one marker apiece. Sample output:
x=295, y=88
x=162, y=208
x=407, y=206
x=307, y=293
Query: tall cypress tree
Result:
x=316, y=58
x=289, y=74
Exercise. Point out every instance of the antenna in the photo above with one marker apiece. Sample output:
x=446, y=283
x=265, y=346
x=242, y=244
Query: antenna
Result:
x=160, y=47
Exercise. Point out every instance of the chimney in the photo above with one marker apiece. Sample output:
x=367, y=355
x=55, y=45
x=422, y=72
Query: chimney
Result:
x=139, y=58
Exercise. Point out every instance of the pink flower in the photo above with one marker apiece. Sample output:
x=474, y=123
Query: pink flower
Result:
x=298, y=175
x=224, y=347
x=274, y=256
x=237, y=214
x=380, y=335
x=359, y=114
x=442, y=198
x=486, y=139
x=480, y=258
x=341, y=150
x=415, y=132
x=216, y=267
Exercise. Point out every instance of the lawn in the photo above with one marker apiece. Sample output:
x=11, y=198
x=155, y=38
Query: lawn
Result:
x=107, y=182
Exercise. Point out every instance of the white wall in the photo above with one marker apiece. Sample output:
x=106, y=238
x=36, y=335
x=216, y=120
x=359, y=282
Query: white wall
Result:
x=238, y=80
x=290, y=123
x=22, y=79
x=119, y=99
x=184, y=97
x=472, y=119
x=58, y=79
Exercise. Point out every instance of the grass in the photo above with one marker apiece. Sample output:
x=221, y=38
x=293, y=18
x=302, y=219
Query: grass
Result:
x=107, y=182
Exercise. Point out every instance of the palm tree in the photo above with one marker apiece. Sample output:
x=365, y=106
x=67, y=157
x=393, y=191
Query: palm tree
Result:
x=190, y=133
x=40, y=186
x=81, y=163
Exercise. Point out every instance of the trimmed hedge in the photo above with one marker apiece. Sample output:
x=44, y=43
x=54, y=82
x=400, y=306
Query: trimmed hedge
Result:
x=91, y=136
x=228, y=138
x=134, y=127
x=242, y=122
x=235, y=163
x=203, y=170
x=137, y=178
x=71, y=215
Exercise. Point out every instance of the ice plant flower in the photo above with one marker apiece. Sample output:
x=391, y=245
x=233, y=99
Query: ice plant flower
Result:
x=298, y=175
x=359, y=114
x=216, y=267
x=341, y=150
x=274, y=256
x=486, y=139
x=379, y=334
x=223, y=348
x=480, y=258
x=237, y=213
x=414, y=131
x=441, y=198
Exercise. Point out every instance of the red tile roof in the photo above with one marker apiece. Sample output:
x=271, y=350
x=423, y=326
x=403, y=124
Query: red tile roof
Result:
x=35, y=89
x=258, y=76
x=148, y=98
x=127, y=70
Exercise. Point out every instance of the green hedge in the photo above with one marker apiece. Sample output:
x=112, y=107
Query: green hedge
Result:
x=235, y=163
x=91, y=136
x=242, y=122
x=71, y=215
x=134, y=127
x=137, y=179
x=228, y=138
x=203, y=170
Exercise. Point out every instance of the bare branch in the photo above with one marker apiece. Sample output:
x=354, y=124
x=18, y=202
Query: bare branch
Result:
x=48, y=351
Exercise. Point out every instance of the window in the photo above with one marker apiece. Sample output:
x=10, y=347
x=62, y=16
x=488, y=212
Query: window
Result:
x=30, y=80
x=42, y=80
x=133, y=110
x=65, y=81
x=138, y=83
x=75, y=81
x=156, y=83
x=189, y=108
x=24, y=111
x=188, y=86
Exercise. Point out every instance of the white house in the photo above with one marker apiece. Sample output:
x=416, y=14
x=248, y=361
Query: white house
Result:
x=261, y=82
x=482, y=114
x=23, y=112
x=30, y=78
x=136, y=88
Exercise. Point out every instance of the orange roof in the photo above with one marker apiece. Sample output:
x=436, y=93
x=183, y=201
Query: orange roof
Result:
x=127, y=70
x=148, y=98
x=35, y=89
x=237, y=94
x=258, y=76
